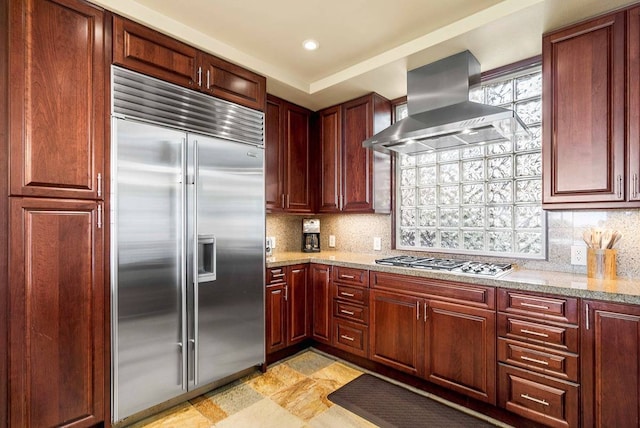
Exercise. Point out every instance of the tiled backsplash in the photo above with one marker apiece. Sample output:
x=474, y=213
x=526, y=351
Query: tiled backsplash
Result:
x=355, y=233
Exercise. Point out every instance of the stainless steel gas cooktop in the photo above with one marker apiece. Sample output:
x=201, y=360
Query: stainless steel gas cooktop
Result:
x=466, y=267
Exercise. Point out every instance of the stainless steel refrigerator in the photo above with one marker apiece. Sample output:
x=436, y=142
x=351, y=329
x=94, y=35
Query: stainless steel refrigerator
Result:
x=187, y=233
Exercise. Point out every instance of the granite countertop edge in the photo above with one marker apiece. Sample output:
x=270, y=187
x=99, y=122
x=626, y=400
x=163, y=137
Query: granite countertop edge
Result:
x=621, y=290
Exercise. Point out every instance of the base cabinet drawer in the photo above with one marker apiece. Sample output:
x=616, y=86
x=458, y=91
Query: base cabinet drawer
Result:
x=357, y=295
x=351, y=337
x=559, y=336
x=351, y=276
x=563, y=365
x=357, y=313
x=540, y=398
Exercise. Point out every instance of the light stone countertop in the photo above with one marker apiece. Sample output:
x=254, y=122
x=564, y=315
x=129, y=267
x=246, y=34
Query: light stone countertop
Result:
x=623, y=290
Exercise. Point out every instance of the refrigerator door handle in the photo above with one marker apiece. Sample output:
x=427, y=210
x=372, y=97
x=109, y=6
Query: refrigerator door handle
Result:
x=206, y=254
x=183, y=281
x=194, y=342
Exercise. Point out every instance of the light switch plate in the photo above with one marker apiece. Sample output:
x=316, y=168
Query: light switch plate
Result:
x=332, y=241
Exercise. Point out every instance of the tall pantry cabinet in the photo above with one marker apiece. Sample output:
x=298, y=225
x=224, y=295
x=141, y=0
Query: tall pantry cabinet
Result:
x=54, y=302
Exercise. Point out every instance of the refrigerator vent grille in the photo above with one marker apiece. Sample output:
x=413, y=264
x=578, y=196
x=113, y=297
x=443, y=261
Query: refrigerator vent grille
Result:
x=138, y=96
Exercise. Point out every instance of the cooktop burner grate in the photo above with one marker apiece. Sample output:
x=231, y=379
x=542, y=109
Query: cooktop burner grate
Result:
x=466, y=267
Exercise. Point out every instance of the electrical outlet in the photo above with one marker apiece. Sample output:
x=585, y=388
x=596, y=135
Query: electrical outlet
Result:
x=332, y=241
x=273, y=242
x=377, y=244
x=579, y=255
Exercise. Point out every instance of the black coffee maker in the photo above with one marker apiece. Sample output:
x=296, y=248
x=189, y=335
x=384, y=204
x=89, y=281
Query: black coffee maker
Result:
x=311, y=235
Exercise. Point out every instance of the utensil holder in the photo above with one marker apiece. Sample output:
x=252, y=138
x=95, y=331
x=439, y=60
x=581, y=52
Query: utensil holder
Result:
x=601, y=264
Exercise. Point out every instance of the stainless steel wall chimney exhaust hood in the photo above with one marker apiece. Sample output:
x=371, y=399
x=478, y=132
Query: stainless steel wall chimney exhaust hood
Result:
x=440, y=113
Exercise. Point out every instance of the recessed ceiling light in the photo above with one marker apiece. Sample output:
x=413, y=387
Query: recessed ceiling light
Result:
x=310, y=45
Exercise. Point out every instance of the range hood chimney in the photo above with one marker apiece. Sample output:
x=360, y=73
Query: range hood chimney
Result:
x=440, y=113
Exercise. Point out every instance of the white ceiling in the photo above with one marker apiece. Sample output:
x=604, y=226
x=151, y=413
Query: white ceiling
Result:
x=365, y=45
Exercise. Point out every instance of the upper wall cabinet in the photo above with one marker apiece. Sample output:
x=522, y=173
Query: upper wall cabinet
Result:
x=56, y=99
x=354, y=179
x=141, y=49
x=287, y=157
x=633, y=109
x=584, y=108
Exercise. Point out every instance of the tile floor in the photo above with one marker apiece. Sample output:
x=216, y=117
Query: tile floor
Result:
x=292, y=393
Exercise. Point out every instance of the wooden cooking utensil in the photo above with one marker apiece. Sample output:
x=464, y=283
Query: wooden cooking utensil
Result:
x=586, y=237
x=605, y=239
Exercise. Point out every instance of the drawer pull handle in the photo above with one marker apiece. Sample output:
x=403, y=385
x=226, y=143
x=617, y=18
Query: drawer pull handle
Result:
x=535, y=400
x=347, y=277
x=531, y=305
x=342, y=293
x=345, y=337
x=278, y=275
x=344, y=311
x=533, y=360
x=534, y=333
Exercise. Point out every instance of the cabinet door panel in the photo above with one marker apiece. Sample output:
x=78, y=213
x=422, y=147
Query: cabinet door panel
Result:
x=320, y=276
x=276, y=318
x=57, y=313
x=297, y=180
x=232, y=83
x=633, y=84
x=583, y=144
x=299, y=304
x=610, y=372
x=142, y=49
x=357, y=162
x=461, y=349
x=331, y=143
x=397, y=331
x=56, y=98
x=274, y=156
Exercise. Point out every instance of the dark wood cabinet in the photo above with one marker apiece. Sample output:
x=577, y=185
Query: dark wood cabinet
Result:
x=147, y=51
x=461, y=349
x=441, y=331
x=274, y=168
x=538, y=354
x=354, y=179
x=231, y=82
x=584, y=111
x=56, y=299
x=320, y=282
x=350, y=310
x=276, y=317
x=56, y=99
x=298, y=296
x=633, y=108
x=330, y=129
x=397, y=331
x=288, y=306
x=610, y=351
x=288, y=184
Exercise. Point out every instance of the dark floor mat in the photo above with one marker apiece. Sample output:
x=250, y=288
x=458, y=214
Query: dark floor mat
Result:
x=388, y=405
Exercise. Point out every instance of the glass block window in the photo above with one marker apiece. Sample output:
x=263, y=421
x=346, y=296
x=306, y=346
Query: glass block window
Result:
x=483, y=199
